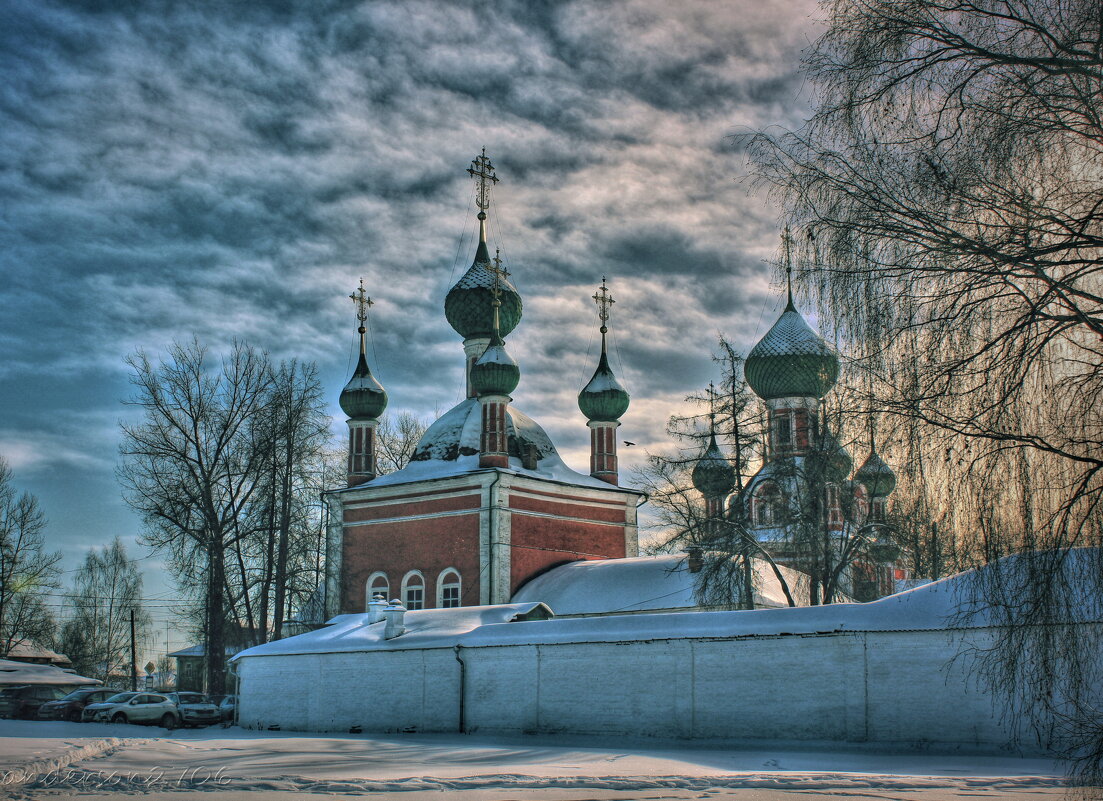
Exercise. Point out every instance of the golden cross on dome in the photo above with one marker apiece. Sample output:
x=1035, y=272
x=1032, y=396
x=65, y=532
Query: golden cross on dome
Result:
x=500, y=273
x=483, y=172
x=604, y=300
x=363, y=303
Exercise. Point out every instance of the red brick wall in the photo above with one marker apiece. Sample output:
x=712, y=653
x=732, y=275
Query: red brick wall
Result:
x=540, y=543
x=398, y=546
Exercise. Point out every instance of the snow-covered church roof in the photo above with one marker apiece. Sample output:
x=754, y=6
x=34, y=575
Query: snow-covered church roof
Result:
x=638, y=584
x=450, y=447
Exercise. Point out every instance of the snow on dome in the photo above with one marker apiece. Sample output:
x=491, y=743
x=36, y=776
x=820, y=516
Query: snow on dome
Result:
x=792, y=360
x=636, y=584
x=456, y=433
x=450, y=447
x=469, y=305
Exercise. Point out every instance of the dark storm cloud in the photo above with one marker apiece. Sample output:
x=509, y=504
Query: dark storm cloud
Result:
x=232, y=169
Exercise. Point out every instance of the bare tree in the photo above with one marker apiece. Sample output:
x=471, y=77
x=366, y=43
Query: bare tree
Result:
x=190, y=467
x=27, y=572
x=950, y=184
x=396, y=439
x=106, y=589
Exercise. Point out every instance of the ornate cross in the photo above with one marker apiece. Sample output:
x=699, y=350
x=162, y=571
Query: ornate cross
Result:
x=363, y=303
x=604, y=300
x=483, y=172
x=500, y=274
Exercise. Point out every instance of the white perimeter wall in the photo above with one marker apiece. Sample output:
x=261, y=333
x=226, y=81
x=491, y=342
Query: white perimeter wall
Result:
x=904, y=688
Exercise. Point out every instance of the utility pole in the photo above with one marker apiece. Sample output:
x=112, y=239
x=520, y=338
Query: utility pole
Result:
x=133, y=657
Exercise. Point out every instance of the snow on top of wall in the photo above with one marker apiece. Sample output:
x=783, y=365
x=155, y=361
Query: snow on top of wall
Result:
x=636, y=584
x=18, y=673
x=425, y=628
x=932, y=607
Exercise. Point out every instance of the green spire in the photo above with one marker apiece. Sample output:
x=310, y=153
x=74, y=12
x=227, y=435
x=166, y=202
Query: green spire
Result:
x=603, y=399
x=469, y=304
x=713, y=475
x=363, y=398
x=495, y=372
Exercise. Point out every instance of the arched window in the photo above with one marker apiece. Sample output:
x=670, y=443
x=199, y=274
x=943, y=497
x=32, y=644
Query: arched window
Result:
x=378, y=584
x=413, y=590
x=768, y=507
x=448, y=589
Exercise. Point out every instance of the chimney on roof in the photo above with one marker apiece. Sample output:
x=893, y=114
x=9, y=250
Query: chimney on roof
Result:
x=395, y=615
x=694, y=561
x=375, y=608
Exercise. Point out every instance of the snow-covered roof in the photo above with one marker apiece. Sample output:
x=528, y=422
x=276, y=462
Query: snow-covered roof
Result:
x=18, y=673
x=450, y=447
x=425, y=628
x=637, y=584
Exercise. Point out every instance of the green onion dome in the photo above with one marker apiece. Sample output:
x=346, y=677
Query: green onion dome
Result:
x=603, y=399
x=363, y=398
x=713, y=475
x=837, y=462
x=876, y=476
x=469, y=305
x=792, y=360
x=495, y=372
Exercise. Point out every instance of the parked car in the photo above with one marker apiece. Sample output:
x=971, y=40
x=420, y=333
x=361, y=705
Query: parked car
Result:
x=195, y=709
x=228, y=707
x=142, y=708
x=23, y=701
x=93, y=711
x=71, y=706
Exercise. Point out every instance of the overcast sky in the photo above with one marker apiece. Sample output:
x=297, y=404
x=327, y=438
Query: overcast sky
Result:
x=232, y=169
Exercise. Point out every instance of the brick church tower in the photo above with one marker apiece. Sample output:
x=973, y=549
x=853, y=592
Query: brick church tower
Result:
x=485, y=503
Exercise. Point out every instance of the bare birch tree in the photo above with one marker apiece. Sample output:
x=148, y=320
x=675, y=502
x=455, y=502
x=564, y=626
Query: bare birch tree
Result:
x=27, y=571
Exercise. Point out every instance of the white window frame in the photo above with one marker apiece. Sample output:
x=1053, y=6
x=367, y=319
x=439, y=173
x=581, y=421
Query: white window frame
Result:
x=406, y=588
x=371, y=581
x=449, y=577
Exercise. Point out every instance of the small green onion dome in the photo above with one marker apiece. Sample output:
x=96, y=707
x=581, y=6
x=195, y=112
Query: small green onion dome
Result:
x=792, y=360
x=713, y=475
x=495, y=372
x=837, y=461
x=469, y=305
x=363, y=398
x=876, y=476
x=603, y=399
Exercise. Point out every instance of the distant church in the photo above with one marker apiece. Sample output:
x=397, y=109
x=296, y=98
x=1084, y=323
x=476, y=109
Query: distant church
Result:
x=485, y=503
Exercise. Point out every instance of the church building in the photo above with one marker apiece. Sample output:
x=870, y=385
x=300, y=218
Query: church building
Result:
x=804, y=488
x=486, y=503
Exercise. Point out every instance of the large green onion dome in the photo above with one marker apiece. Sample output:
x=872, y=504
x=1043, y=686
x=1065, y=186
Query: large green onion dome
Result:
x=363, y=398
x=495, y=372
x=876, y=476
x=603, y=399
x=713, y=475
x=469, y=305
x=792, y=360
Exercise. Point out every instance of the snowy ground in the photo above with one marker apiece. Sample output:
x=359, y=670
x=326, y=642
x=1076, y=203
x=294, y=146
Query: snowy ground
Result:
x=104, y=761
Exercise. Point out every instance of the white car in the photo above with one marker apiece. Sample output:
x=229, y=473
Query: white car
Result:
x=93, y=711
x=143, y=708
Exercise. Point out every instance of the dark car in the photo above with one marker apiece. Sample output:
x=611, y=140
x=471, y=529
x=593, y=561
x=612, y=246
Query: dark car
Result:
x=71, y=706
x=24, y=701
x=195, y=709
x=227, y=708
